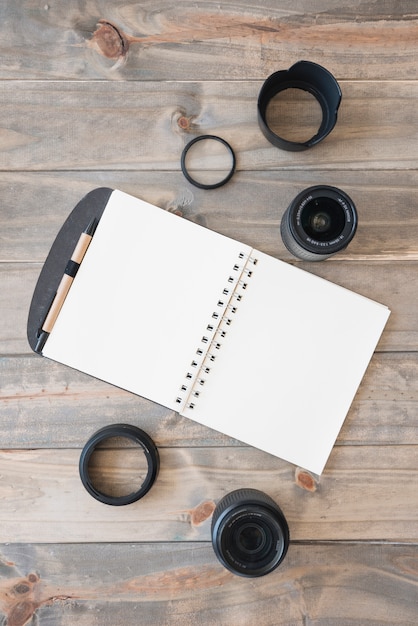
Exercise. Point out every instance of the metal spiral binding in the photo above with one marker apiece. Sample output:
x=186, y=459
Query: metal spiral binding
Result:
x=216, y=330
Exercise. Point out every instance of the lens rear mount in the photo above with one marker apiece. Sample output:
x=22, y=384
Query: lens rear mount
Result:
x=250, y=535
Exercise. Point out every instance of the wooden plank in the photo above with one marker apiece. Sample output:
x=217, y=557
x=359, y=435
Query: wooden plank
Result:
x=44, y=404
x=74, y=125
x=16, y=287
x=183, y=584
x=249, y=209
x=77, y=113
x=365, y=493
x=392, y=284
x=183, y=41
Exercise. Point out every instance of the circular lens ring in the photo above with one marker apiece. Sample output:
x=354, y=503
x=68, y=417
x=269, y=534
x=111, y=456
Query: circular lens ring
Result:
x=309, y=77
x=130, y=432
x=195, y=182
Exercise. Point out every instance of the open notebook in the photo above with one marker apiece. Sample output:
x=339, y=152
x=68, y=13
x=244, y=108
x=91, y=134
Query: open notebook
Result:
x=222, y=333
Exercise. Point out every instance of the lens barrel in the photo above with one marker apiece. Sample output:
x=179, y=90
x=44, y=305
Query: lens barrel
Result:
x=250, y=535
x=319, y=222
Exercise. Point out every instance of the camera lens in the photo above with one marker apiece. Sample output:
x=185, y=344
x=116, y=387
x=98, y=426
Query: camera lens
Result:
x=250, y=535
x=318, y=223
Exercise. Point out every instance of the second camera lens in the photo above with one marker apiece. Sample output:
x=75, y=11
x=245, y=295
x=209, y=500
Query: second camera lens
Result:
x=318, y=223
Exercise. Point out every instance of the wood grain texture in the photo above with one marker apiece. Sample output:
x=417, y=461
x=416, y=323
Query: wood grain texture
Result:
x=107, y=94
x=133, y=125
x=44, y=499
x=182, y=584
x=249, y=208
x=44, y=404
x=211, y=40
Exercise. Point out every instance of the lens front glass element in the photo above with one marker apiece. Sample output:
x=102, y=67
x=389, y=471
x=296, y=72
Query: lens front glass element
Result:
x=250, y=535
x=251, y=543
x=323, y=219
x=251, y=538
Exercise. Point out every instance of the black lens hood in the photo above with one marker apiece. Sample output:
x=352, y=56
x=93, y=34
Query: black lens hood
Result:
x=138, y=436
x=309, y=77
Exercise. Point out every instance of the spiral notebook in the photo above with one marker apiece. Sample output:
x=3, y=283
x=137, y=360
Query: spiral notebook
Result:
x=224, y=334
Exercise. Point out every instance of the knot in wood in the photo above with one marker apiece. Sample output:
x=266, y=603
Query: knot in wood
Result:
x=21, y=588
x=180, y=120
x=184, y=122
x=305, y=480
x=202, y=512
x=110, y=41
x=33, y=578
x=21, y=613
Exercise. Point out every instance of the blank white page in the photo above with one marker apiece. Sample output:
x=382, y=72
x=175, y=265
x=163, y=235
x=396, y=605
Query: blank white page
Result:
x=290, y=363
x=142, y=298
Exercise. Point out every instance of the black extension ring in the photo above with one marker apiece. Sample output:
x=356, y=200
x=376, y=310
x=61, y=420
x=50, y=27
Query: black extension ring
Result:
x=309, y=77
x=197, y=183
x=137, y=435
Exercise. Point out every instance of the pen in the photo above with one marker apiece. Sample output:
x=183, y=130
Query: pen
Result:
x=65, y=283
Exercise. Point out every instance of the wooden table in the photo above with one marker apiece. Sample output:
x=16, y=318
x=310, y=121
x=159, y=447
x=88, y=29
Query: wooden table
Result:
x=84, y=106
